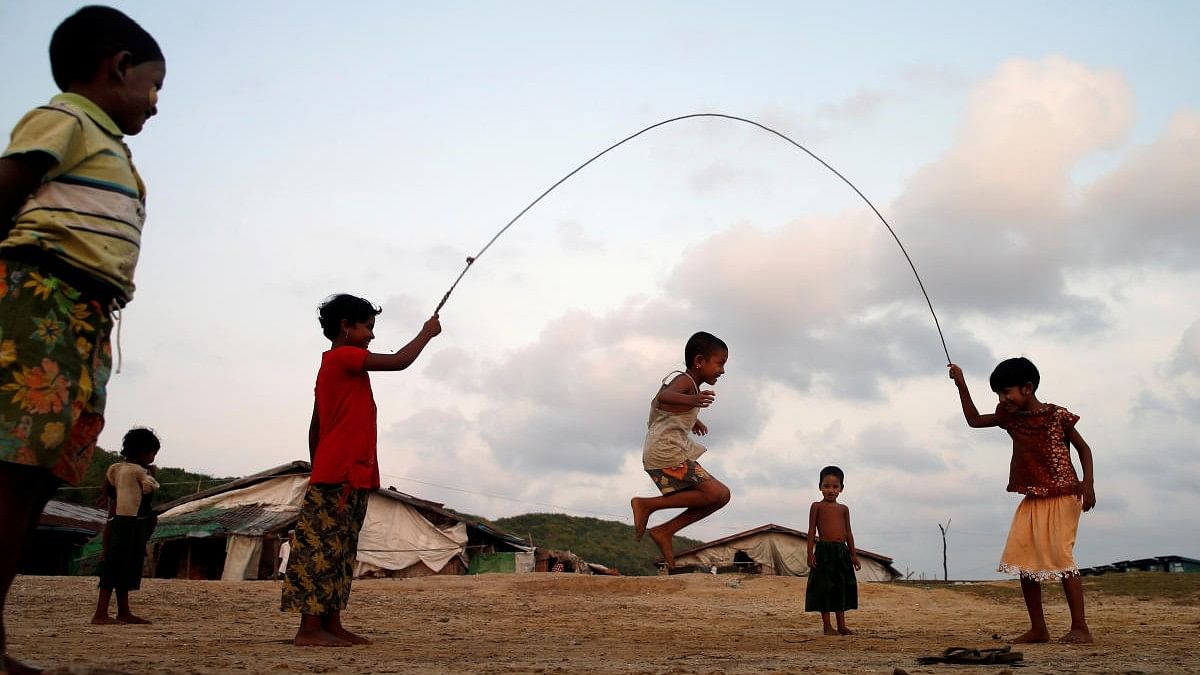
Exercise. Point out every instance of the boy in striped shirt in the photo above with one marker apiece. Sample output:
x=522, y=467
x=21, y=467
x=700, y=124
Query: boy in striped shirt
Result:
x=71, y=214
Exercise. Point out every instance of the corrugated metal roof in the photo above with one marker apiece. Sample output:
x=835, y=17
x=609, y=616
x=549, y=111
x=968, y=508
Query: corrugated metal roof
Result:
x=59, y=514
x=253, y=520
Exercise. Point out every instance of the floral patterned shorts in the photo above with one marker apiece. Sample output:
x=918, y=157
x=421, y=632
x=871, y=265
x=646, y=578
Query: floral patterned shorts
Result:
x=676, y=478
x=55, y=360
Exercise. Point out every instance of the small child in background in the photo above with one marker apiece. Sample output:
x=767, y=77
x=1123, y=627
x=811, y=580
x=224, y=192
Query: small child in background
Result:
x=1041, y=541
x=669, y=455
x=832, y=558
x=345, y=469
x=285, y=552
x=128, y=487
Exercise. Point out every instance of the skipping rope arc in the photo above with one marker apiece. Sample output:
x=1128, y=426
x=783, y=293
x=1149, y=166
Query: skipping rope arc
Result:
x=471, y=259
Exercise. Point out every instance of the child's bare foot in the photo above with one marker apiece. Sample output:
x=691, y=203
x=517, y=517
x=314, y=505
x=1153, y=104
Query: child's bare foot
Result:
x=830, y=630
x=1077, y=636
x=664, y=545
x=346, y=635
x=103, y=620
x=842, y=630
x=130, y=618
x=1031, y=636
x=640, y=517
x=319, y=639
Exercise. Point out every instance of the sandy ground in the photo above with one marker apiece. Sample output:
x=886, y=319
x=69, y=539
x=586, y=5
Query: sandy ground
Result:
x=559, y=623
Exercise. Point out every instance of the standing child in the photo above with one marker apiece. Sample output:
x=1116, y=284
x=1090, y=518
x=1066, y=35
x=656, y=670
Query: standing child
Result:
x=285, y=552
x=832, y=585
x=128, y=486
x=341, y=446
x=669, y=454
x=71, y=215
x=1041, y=541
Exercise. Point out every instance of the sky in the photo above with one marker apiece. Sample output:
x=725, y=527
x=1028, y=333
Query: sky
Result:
x=1039, y=161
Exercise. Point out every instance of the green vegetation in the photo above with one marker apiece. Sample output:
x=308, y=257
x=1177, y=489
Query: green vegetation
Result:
x=1180, y=589
x=606, y=542
x=176, y=483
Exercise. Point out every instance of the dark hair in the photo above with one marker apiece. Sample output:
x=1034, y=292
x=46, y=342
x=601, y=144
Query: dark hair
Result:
x=91, y=35
x=832, y=471
x=1014, y=373
x=702, y=344
x=341, y=307
x=139, y=441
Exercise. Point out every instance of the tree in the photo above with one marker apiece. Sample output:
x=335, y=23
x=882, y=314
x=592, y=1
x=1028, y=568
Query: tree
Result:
x=945, y=568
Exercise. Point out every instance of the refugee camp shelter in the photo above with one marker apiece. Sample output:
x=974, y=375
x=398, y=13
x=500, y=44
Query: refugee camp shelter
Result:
x=62, y=531
x=773, y=549
x=234, y=531
x=1162, y=563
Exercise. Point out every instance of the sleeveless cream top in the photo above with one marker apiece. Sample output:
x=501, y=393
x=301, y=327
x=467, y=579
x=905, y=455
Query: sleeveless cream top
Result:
x=668, y=435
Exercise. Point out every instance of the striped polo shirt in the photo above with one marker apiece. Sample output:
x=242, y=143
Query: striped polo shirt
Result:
x=89, y=210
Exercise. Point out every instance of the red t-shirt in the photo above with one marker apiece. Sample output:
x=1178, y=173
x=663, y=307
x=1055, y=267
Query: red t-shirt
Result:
x=346, y=414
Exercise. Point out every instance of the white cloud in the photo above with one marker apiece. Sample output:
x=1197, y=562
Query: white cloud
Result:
x=1145, y=212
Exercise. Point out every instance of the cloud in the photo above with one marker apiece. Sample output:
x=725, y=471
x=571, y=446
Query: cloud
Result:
x=720, y=176
x=934, y=77
x=1186, y=358
x=861, y=105
x=995, y=211
x=1145, y=211
x=573, y=237
x=890, y=446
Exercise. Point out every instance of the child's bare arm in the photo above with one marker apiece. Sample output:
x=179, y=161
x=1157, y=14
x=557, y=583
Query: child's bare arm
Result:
x=850, y=540
x=970, y=412
x=20, y=176
x=406, y=355
x=678, y=393
x=314, y=434
x=1085, y=463
x=812, y=533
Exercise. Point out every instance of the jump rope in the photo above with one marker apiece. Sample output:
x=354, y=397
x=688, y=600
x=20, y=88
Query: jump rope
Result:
x=471, y=259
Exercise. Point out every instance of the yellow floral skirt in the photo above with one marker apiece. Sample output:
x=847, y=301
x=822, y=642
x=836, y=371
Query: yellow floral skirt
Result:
x=320, y=568
x=55, y=360
x=1041, y=541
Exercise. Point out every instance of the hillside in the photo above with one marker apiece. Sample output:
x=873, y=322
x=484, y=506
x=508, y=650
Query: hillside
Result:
x=175, y=482
x=607, y=542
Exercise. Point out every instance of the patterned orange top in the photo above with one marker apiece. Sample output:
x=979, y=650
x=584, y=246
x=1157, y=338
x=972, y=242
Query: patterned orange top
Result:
x=1041, y=462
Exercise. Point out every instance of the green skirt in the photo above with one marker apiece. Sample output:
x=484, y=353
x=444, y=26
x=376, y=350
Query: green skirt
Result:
x=832, y=586
x=121, y=565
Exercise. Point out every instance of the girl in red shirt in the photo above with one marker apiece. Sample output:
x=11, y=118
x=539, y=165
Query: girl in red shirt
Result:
x=345, y=469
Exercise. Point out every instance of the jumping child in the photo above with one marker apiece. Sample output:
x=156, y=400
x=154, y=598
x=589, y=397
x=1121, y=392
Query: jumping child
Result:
x=832, y=585
x=127, y=488
x=345, y=469
x=1041, y=541
x=71, y=216
x=669, y=454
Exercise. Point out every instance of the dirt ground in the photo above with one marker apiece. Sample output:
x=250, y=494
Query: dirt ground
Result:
x=555, y=623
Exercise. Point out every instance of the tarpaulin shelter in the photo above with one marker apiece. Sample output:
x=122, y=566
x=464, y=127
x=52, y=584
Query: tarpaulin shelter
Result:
x=774, y=549
x=234, y=531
